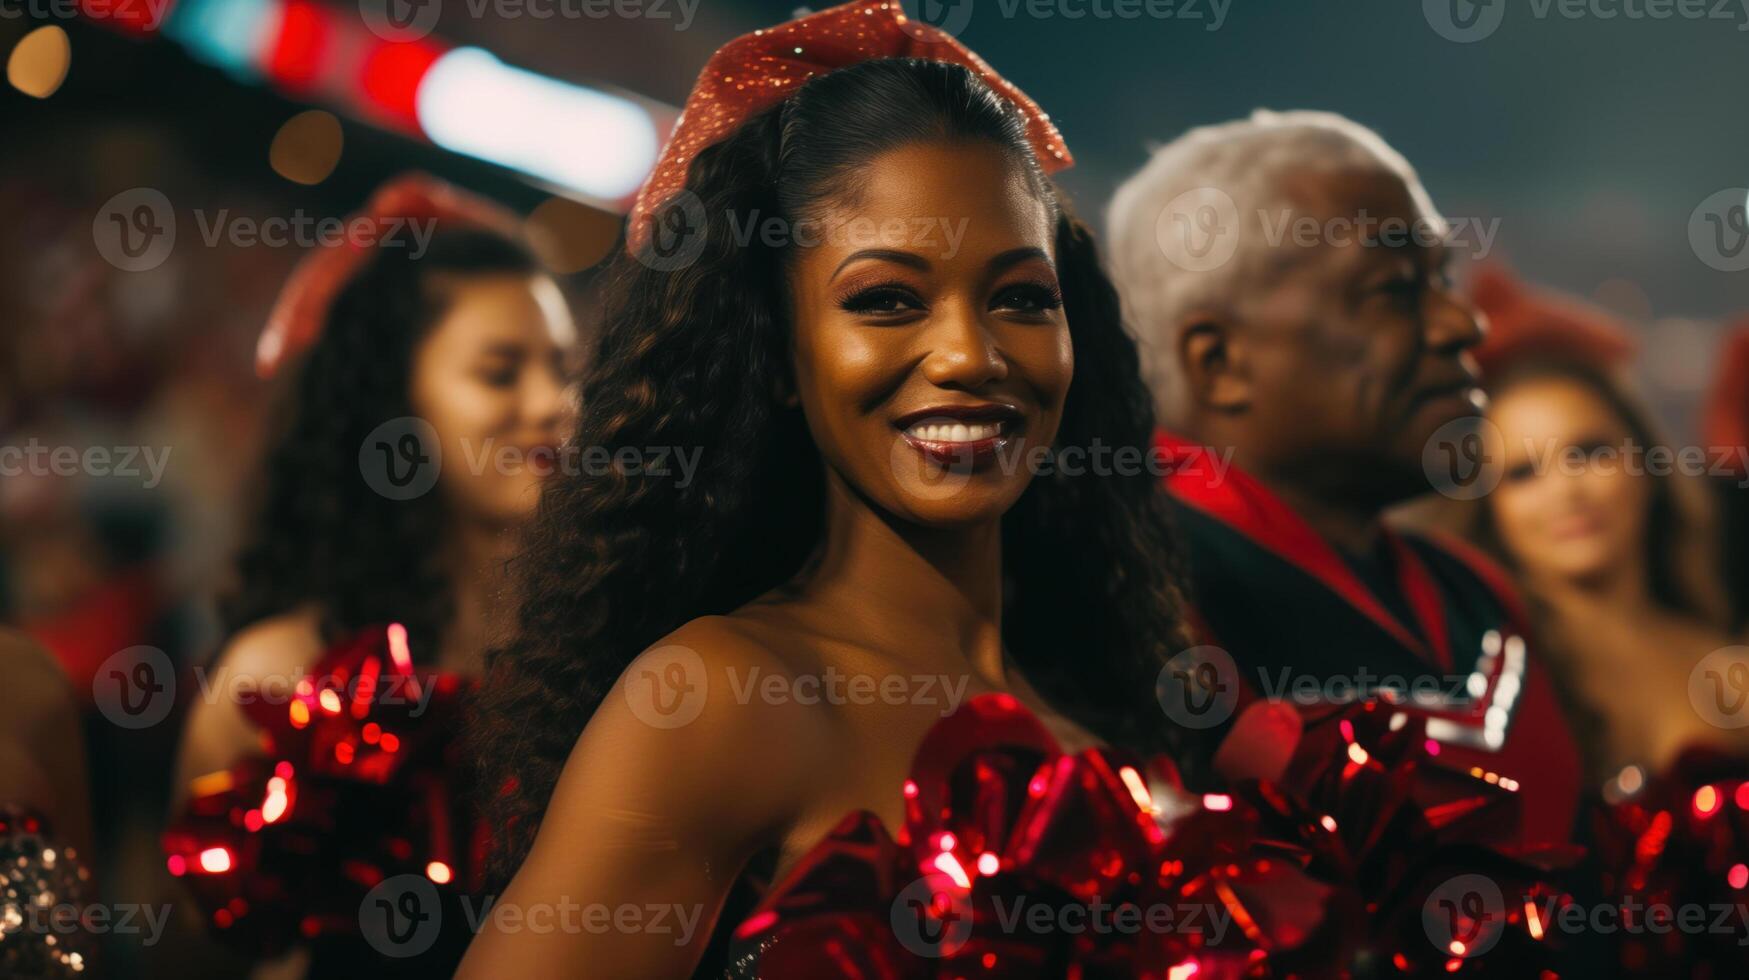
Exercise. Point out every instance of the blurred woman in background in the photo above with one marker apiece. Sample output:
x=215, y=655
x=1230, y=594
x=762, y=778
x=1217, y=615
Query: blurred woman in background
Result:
x=1610, y=535
x=1610, y=546
x=424, y=415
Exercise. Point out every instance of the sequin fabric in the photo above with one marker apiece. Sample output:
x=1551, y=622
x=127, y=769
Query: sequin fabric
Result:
x=43, y=901
x=761, y=69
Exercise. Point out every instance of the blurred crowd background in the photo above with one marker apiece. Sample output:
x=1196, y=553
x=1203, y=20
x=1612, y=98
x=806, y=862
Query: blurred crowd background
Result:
x=1584, y=151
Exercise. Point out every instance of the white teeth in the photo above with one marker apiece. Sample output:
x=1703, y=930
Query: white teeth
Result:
x=955, y=432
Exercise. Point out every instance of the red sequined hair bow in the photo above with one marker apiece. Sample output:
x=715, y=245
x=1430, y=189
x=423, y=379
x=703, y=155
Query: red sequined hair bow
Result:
x=302, y=307
x=1525, y=322
x=759, y=70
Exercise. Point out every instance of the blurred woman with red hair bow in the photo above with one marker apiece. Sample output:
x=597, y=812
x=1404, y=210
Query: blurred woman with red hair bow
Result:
x=425, y=406
x=1611, y=538
x=1608, y=540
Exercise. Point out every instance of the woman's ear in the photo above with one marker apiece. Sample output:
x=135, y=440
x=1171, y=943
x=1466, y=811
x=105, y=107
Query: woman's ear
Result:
x=1215, y=364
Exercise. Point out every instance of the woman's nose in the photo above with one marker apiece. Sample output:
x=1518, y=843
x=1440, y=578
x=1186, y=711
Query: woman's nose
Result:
x=963, y=353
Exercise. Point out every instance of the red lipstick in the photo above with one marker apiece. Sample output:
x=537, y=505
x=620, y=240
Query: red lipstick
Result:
x=960, y=434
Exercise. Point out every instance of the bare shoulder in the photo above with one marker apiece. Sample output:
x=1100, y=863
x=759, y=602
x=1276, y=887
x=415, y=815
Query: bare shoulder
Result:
x=280, y=646
x=689, y=730
x=31, y=670
x=708, y=686
x=34, y=691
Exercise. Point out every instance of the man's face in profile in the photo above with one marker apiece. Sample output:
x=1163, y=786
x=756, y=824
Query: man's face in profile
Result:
x=1357, y=340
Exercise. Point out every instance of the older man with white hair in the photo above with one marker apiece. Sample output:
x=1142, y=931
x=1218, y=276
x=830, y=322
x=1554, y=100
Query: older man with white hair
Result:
x=1287, y=277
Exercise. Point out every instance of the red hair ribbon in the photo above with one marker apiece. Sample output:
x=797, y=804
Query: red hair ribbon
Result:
x=1725, y=417
x=1527, y=322
x=302, y=307
x=761, y=69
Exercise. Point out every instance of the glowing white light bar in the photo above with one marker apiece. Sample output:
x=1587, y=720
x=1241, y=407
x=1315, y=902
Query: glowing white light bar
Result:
x=596, y=143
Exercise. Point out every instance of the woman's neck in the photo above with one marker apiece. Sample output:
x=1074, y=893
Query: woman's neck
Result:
x=918, y=594
x=1612, y=593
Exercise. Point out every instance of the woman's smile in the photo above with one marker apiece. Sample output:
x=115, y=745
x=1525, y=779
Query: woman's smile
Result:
x=950, y=434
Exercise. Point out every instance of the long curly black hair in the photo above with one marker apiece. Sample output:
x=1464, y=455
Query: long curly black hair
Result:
x=696, y=357
x=321, y=537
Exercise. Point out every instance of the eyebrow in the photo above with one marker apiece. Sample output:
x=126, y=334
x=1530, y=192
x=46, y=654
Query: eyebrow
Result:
x=1012, y=257
x=917, y=262
x=1015, y=256
x=505, y=349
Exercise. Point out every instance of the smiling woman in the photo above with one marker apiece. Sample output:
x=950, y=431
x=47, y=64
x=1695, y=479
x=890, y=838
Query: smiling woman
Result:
x=850, y=516
x=380, y=537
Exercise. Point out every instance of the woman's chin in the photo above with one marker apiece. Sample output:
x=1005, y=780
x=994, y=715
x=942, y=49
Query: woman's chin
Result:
x=966, y=505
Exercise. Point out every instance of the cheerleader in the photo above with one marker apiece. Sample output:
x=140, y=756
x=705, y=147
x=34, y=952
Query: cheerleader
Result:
x=424, y=410
x=866, y=379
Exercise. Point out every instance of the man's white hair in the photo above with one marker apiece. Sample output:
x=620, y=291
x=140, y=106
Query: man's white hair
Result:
x=1245, y=160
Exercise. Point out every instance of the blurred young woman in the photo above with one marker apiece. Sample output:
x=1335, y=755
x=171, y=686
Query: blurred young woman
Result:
x=1614, y=546
x=427, y=404
x=1609, y=544
x=863, y=378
